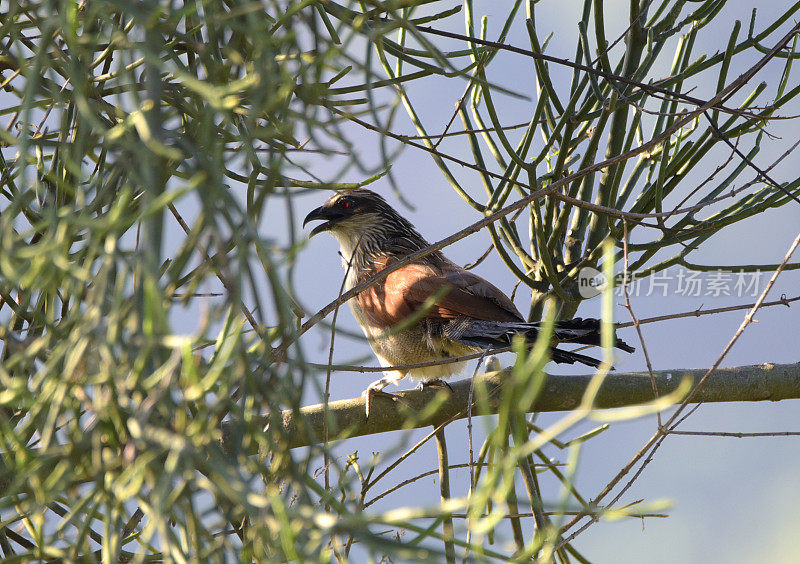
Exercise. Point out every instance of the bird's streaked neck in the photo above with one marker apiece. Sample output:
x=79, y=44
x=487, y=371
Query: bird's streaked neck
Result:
x=359, y=247
x=347, y=248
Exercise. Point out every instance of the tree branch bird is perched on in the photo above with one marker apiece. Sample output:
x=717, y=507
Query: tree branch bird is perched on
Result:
x=459, y=312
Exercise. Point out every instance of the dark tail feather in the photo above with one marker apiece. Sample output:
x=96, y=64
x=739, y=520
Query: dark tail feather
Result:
x=495, y=334
x=570, y=357
x=585, y=332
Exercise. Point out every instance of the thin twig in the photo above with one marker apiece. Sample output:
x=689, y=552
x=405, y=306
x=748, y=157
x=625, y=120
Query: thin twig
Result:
x=737, y=435
x=444, y=490
x=327, y=393
x=634, y=320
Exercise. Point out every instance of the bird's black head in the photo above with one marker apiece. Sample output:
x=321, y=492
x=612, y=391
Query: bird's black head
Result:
x=351, y=212
x=362, y=220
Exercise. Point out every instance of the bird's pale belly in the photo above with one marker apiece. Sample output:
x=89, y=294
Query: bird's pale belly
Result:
x=411, y=345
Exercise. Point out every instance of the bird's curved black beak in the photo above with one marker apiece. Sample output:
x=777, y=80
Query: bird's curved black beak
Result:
x=328, y=214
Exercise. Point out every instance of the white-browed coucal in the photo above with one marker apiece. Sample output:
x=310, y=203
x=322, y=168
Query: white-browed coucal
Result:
x=468, y=314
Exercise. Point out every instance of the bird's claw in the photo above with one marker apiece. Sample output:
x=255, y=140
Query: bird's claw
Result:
x=437, y=383
x=370, y=393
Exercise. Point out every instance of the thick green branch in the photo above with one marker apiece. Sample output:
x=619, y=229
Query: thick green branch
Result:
x=415, y=408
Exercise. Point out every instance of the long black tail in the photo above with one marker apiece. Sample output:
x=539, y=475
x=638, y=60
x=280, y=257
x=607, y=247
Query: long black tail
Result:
x=497, y=334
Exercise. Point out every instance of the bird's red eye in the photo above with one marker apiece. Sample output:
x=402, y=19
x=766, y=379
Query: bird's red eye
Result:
x=345, y=203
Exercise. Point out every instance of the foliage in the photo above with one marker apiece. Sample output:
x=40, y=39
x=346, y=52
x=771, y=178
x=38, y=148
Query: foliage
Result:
x=149, y=165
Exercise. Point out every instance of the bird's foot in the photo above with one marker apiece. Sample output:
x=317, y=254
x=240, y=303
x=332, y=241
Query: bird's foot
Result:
x=438, y=383
x=371, y=393
x=491, y=364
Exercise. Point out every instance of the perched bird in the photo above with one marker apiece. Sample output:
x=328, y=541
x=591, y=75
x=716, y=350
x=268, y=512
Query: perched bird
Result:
x=457, y=311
